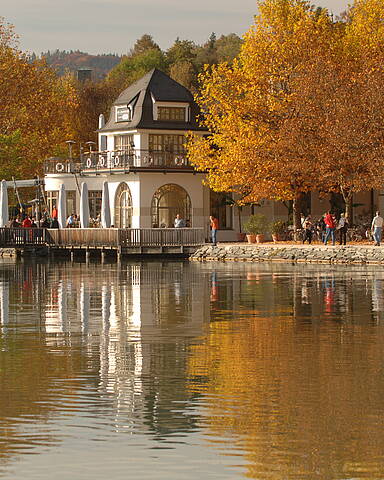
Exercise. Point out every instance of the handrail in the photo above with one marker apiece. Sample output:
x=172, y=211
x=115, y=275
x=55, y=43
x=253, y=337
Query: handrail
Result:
x=120, y=161
x=102, y=237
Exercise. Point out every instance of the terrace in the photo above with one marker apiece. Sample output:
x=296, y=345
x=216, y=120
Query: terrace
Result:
x=120, y=161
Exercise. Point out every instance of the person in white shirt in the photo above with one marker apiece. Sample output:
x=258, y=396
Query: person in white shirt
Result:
x=377, y=228
x=342, y=227
x=179, y=222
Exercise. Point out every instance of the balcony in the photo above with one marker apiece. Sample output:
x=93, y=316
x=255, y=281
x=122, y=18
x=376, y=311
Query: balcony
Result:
x=120, y=161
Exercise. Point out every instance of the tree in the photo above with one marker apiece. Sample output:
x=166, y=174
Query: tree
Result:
x=144, y=44
x=228, y=47
x=34, y=106
x=342, y=92
x=184, y=73
x=131, y=68
x=254, y=149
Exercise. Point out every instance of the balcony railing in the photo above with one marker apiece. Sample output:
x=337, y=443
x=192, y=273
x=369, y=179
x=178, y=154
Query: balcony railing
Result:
x=120, y=161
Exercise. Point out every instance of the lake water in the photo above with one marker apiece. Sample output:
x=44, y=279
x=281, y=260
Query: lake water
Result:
x=172, y=370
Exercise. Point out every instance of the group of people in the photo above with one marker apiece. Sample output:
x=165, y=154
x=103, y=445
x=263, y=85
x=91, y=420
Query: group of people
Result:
x=327, y=227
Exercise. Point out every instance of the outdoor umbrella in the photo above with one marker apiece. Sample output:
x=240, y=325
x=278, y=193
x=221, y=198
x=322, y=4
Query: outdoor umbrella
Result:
x=105, y=210
x=62, y=207
x=84, y=206
x=4, y=204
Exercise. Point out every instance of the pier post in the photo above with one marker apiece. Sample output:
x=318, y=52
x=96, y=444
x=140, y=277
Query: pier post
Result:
x=119, y=254
x=87, y=255
x=72, y=256
x=103, y=255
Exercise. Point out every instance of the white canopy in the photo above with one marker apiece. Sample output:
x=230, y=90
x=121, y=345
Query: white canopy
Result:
x=84, y=206
x=105, y=209
x=3, y=204
x=62, y=207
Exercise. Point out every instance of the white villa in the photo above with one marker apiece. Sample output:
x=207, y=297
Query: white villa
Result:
x=141, y=155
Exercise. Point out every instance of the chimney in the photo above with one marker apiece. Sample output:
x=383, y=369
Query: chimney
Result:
x=84, y=74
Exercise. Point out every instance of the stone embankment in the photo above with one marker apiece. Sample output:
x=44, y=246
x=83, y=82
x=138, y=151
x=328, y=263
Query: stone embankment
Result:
x=353, y=254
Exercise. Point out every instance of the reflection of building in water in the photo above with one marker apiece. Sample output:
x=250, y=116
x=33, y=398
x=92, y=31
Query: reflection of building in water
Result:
x=121, y=330
x=127, y=312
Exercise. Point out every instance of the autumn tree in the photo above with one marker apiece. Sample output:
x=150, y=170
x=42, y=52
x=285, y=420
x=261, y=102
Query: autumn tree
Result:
x=343, y=96
x=33, y=118
x=253, y=147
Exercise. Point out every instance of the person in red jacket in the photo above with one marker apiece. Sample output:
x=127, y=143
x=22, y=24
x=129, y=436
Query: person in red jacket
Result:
x=27, y=223
x=330, y=227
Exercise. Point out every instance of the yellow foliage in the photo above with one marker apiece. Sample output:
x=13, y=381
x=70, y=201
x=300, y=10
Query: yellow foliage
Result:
x=300, y=109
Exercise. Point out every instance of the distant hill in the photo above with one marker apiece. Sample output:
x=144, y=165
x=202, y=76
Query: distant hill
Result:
x=62, y=61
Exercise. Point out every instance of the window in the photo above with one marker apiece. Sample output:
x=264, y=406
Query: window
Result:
x=71, y=201
x=168, y=201
x=221, y=210
x=124, y=142
x=52, y=201
x=167, y=143
x=123, y=209
x=94, y=199
x=171, y=114
x=123, y=114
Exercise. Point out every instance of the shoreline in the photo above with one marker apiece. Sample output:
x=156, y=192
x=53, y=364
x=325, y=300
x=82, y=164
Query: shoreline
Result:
x=291, y=253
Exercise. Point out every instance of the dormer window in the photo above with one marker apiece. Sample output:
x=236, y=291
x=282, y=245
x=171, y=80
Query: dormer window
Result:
x=124, y=113
x=171, y=114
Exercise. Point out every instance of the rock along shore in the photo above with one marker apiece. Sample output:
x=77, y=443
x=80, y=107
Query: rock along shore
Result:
x=350, y=254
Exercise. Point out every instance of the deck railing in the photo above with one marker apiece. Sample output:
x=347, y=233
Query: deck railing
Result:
x=10, y=237
x=102, y=237
x=130, y=237
x=120, y=161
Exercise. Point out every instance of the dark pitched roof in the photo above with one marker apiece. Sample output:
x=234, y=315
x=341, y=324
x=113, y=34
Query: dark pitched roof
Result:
x=160, y=87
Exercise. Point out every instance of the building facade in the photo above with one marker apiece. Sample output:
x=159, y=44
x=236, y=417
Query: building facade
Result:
x=141, y=154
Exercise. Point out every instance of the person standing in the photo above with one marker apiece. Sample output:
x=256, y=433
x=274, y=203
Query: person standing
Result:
x=343, y=227
x=179, y=222
x=214, y=223
x=377, y=228
x=70, y=223
x=308, y=226
x=27, y=223
x=330, y=225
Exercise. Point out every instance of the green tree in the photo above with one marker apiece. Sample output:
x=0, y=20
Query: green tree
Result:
x=144, y=44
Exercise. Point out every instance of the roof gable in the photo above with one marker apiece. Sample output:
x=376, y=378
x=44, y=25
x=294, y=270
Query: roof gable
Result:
x=155, y=86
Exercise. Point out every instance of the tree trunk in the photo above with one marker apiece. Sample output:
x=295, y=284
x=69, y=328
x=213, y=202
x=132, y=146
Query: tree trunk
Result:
x=239, y=214
x=347, y=196
x=296, y=205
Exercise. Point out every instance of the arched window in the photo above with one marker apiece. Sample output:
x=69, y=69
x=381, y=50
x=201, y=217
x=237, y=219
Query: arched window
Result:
x=168, y=201
x=123, y=207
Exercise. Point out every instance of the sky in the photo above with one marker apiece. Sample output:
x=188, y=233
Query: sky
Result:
x=113, y=26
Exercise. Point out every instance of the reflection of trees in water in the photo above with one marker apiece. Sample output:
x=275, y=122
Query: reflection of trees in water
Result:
x=292, y=375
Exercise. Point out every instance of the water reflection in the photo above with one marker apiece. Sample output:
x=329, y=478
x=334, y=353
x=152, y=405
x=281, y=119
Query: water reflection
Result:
x=277, y=368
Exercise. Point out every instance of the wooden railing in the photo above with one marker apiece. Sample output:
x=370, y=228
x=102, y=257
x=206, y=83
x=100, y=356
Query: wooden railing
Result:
x=130, y=237
x=13, y=237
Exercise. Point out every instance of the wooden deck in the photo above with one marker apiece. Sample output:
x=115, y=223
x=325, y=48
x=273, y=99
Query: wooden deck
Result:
x=133, y=240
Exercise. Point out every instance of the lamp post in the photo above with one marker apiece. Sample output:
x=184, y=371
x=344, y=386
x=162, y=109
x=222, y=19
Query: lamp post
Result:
x=70, y=143
x=90, y=143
